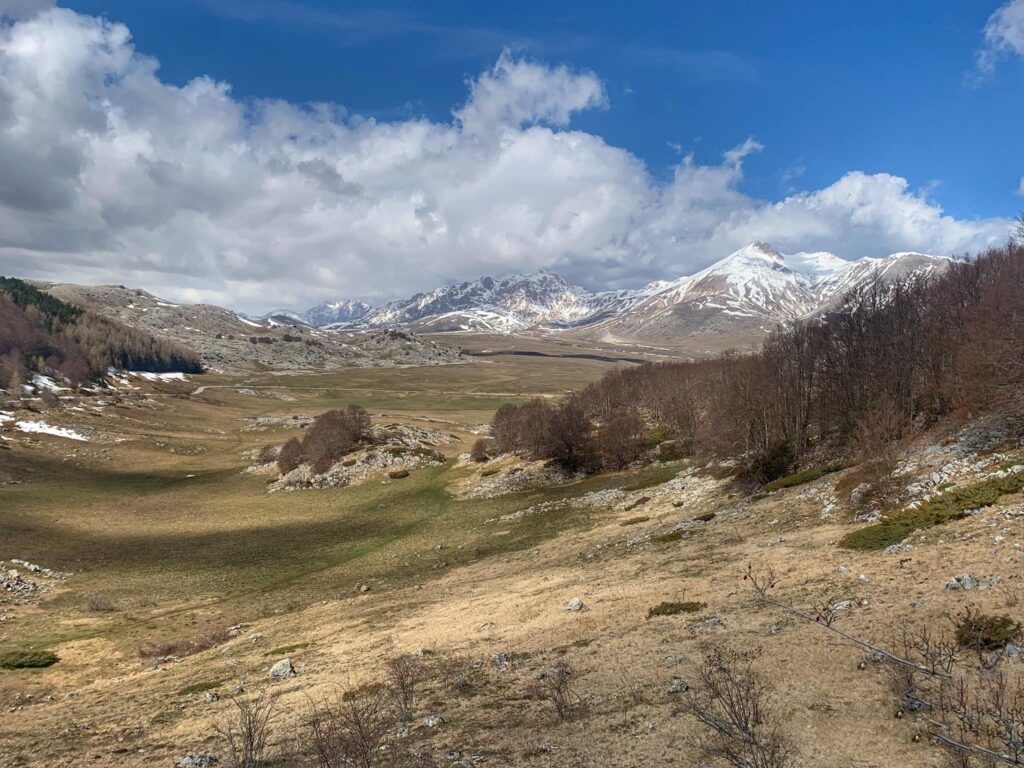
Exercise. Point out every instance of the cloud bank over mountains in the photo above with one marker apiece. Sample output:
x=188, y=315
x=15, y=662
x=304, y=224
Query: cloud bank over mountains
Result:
x=112, y=175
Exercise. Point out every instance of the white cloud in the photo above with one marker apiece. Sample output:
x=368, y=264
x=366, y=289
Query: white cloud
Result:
x=1004, y=35
x=515, y=93
x=111, y=175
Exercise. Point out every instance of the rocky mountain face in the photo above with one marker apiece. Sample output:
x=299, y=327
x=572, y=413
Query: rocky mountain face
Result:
x=748, y=292
x=511, y=305
x=753, y=290
x=340, y=313
x=228, y=341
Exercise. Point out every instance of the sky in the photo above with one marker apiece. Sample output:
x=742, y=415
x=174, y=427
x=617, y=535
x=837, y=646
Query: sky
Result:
x=278, y=153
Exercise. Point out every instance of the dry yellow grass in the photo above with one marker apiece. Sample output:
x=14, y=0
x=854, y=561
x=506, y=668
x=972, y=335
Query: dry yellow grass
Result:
x=503, y=591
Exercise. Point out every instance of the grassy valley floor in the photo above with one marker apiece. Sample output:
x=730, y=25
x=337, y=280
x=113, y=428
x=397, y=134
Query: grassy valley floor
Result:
x=169, y=543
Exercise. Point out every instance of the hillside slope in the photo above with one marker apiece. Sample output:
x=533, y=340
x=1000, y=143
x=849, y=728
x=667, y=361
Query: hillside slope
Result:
x=228, y=341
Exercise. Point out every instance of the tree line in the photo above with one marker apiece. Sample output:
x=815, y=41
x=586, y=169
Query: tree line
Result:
x=42, y=334
x=891, y=358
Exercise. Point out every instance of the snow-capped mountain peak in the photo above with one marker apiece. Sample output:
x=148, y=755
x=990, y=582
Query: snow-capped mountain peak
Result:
x=753, y=289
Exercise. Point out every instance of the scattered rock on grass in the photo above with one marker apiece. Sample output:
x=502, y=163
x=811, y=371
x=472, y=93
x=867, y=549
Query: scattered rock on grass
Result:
x=197, y=761
x=575, y=606
x=282, y=669
x=964, y=581
x=678, y=685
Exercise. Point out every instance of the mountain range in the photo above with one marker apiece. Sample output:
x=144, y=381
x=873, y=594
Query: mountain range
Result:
x=749, y=291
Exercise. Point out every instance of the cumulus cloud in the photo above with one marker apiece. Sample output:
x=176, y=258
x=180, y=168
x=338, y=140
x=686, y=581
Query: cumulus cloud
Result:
x=515, y=93
x=111, y=175
x=1004, y=35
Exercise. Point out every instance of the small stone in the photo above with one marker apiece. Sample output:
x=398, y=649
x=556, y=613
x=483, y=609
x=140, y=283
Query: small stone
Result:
x=197, y=761
x=500, y=660
x=964, y=581
x=432, y=721
x=282, y=669
x=364, y=587
x=678, y=685
x=575, y=606
x=843, y=570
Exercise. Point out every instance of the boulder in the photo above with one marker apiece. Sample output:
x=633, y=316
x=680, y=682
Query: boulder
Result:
x=282, y=670
x=964, y=581
x=575, y=606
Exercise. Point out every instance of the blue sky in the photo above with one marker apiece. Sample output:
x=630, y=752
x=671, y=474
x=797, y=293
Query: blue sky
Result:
x=262, y=153
x=826, y=87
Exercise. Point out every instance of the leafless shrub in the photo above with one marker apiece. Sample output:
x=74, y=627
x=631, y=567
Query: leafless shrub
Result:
x=404, y=674
x=268, y=454
x=247, y=734
x=290, y=456
x=634, y=689
x=735, y=702
x=100, y=604
x=481, y=449
x=348, y=730
x=556, y=685
x=762, y=581
x=185, y=647
x=827, y=611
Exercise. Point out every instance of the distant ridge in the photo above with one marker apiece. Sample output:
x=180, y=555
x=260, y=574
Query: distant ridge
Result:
x=751, y=290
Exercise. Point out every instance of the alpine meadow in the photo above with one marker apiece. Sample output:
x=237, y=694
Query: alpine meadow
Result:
x=390, y=385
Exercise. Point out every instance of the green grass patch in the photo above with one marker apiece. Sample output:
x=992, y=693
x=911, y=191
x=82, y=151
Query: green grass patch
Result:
x=28, y=659
x=952, y=505
x=284, y=650
x=985, y=632
x=634, y=520
x=674, y=609
x=203, y=687
x=804, y=476
x=654, y=476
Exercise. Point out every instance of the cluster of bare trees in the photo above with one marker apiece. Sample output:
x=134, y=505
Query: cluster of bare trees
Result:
x=331, y=435
x=41, y=334
x=892, y=355
x=566, y=434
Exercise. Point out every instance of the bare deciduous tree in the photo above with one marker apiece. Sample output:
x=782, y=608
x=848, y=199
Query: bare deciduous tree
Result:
x=737, y=705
